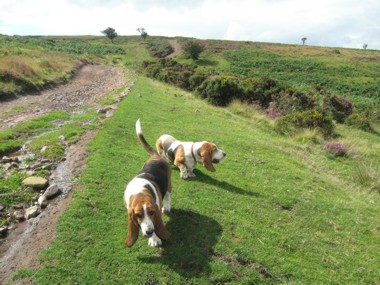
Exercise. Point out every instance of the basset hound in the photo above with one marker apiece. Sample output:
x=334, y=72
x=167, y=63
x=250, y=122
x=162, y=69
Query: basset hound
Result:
x=185, y=155
x=143, y=197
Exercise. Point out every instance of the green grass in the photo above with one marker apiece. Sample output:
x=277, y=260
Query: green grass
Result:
x=11, y=192
x=42, y=132
x=12, y=139
x=277, y=210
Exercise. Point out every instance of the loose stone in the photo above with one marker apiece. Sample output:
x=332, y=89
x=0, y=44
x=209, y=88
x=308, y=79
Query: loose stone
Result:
x=35, y=182
x=31, y=212
x=52, y=191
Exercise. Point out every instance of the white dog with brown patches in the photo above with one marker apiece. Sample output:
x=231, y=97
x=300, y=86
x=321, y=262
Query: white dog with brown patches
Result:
x=144, y=200
x=185, y=155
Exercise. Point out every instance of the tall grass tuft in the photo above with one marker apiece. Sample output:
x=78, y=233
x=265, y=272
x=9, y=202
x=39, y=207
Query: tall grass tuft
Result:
x=366, y=176
x=245, y=109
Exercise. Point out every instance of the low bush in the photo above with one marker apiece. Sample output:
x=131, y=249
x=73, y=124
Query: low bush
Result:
x=289, y=100
x=359, y=122
x=170, y=71
x=197, y=79
x=309, y=119
x=276, y=98
x=160, y=48
x=220, y=90
x=259, y=90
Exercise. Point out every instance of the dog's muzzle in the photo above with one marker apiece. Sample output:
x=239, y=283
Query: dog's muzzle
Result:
x=148, y=234
x=215, y=160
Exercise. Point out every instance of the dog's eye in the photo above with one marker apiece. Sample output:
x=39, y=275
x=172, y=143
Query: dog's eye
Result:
x=139, y=216
x=151, y=213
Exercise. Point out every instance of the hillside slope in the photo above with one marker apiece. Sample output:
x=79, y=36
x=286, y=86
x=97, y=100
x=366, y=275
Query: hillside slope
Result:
x=278, y=210
x=275, y=211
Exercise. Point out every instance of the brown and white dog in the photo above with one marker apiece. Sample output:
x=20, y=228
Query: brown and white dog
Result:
x=185, y=155
x=143, y=197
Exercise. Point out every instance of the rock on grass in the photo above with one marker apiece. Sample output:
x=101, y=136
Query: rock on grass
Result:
x=36, y=182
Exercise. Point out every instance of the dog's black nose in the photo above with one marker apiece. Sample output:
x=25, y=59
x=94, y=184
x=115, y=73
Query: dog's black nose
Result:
x=224, y=154
x=149, y=232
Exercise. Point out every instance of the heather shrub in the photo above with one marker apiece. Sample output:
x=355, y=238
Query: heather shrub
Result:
x=170, y=71
x=290, y=100
x=152, y=70
x=359, y=122
x=220, y=90
x=339, y=107
x=337, y=149
x=160, y=48
x=252, y=92
x=259, y=90
x=277, y=98
x=273, y=111
x=178, y=76
x=197, y=79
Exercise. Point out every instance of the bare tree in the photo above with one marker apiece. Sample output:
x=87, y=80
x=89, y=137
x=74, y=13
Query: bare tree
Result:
x=303, y=40
x=365, y=46
x=143, y=33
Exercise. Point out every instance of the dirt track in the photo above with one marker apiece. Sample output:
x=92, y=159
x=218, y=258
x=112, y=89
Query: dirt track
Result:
x=90, y=84
x=177, y=48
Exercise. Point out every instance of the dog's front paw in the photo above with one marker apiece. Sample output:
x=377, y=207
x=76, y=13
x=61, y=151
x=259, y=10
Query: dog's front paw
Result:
x=184, y=175
x=166, y=209
x=166, y=203
x=154, y=241
x=191, y=174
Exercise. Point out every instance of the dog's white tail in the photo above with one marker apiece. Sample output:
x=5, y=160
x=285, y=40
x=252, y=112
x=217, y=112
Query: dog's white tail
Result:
x=143, y=140
x=138, y=128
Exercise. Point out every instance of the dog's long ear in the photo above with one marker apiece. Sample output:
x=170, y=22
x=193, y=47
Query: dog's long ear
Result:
x=159, y=227
x=206, y=155
x=133, y=229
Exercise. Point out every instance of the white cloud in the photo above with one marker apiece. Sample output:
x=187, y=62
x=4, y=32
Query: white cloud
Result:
x=345, y=23
x=235, y=31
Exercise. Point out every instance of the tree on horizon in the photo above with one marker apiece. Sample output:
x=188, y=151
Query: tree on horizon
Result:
x=110, y=33
x=143, y=33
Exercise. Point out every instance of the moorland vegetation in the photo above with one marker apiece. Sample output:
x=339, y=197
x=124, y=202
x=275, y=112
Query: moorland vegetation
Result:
x=294, y=202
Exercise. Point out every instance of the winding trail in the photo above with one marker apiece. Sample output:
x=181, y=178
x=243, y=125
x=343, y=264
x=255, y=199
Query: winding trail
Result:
x=177, y=48
x=92, y=83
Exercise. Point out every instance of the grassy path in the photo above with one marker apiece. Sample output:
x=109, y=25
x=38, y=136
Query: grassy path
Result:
x=264, y=217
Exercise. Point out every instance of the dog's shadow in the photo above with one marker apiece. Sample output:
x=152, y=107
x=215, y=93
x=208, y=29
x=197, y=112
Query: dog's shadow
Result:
x=204, y=178
x=190, y=247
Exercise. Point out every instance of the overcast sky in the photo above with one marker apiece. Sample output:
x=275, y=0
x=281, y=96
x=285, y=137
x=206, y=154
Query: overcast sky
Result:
x=333, y=23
